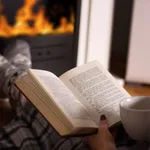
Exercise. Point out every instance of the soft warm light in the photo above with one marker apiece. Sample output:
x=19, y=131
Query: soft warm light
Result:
x=41, y=24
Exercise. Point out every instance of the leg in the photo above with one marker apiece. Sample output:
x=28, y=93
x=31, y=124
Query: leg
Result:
x=7, y=75
x=37, y=127
x=18, y=53
x=13, y=135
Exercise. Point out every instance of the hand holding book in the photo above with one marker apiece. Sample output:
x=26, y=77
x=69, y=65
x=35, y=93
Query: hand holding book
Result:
x=73, y=102
x=103, y=140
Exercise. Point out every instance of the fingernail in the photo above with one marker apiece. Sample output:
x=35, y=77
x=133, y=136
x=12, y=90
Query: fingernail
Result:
x=103, y=117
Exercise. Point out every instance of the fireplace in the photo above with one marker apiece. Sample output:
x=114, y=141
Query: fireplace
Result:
x=49, y=26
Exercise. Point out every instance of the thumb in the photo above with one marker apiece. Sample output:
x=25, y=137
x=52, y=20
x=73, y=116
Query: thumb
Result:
x=103, y=125
x=103, y=129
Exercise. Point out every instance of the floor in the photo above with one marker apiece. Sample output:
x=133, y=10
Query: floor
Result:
x=137, y=90
x=5, y=109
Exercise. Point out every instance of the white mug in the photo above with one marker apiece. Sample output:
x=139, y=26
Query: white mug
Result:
x=135, y=117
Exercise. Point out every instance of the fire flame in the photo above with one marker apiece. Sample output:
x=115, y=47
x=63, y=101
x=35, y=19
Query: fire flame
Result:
x=41, y=25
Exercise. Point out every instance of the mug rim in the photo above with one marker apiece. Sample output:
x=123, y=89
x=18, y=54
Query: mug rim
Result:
x=131, y=109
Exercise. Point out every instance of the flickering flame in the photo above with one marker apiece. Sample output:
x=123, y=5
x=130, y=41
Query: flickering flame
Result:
x=41, y=25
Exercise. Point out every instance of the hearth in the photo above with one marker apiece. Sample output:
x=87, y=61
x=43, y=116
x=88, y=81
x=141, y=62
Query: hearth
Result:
x=51, y=31
x=52, y=52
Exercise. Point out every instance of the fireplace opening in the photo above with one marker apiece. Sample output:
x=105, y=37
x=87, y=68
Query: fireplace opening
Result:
x=36, y=17
x=50, y=27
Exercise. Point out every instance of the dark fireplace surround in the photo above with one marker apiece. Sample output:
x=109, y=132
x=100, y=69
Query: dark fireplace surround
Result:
x=55, y=53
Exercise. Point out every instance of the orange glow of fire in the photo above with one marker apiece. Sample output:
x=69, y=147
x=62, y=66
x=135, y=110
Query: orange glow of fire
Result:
x=41, y=25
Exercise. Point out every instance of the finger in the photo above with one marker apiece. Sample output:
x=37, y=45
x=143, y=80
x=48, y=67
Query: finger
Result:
x=103, y=125
x=104, y=129
x=103, y=122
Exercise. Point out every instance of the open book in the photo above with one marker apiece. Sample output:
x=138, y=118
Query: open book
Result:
x=74, y=102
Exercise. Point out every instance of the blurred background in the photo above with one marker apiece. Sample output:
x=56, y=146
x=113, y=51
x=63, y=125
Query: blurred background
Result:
x=64, y=34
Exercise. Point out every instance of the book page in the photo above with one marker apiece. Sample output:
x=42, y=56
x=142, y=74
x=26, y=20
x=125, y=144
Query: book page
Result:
x=62, y=96
x=97, y=90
